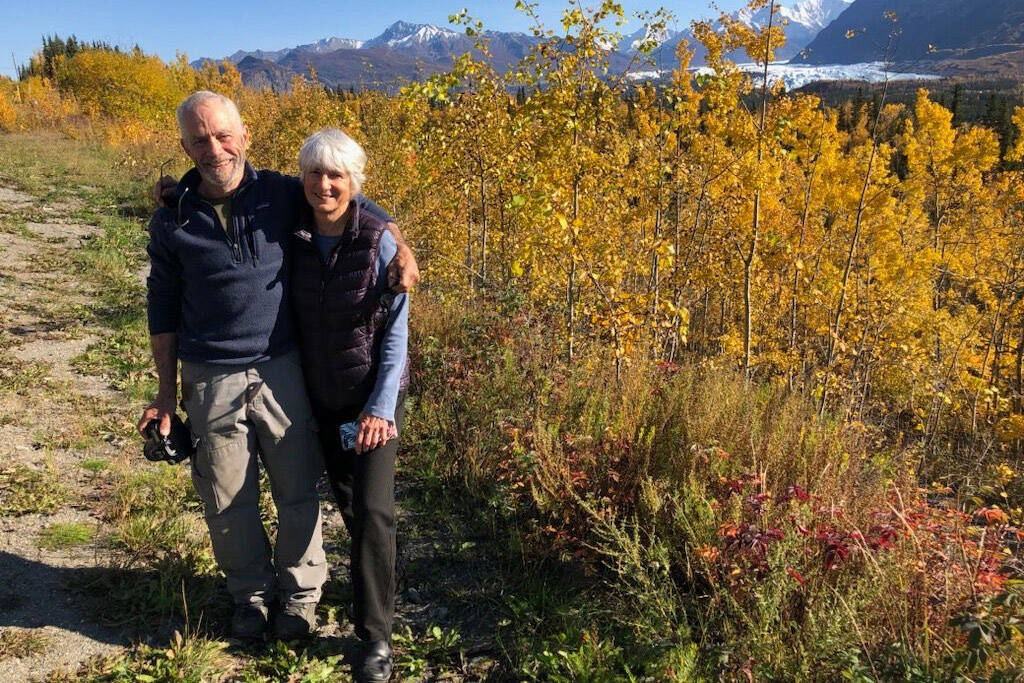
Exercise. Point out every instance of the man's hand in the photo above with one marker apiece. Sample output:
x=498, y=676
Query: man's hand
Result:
x=164, y=189
x=165, y=350
x=373, y=432
x=162, y=409
x=403, y=272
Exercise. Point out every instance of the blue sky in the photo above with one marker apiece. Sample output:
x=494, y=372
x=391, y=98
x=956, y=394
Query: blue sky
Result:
x=216, y=29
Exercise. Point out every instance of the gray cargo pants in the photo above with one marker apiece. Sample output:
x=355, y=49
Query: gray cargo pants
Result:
x=239, y=413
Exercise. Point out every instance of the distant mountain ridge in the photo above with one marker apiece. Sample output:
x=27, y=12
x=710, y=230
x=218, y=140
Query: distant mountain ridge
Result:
x=325, y=45
x=967, y=34
x=405, y=51
x=402, y=52
x=923, y=30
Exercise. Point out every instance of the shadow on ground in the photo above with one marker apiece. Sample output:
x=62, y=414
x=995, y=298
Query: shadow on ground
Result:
x=112, y=605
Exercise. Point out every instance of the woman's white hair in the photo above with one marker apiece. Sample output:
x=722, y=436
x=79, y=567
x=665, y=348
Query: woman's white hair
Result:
x=332, y=150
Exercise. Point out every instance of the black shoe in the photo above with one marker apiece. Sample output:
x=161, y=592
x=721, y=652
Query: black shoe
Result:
x=376, y=664
x=295, y=620
x=249, y=621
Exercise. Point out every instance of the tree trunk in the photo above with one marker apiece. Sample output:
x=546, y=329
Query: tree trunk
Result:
x=655, y=275
x=483, y=228
x=748, y=258
x=1018, y=400
x=571, y=284
x=795, y=302
x=748, y=262
x=469, y=247
x=851, y=253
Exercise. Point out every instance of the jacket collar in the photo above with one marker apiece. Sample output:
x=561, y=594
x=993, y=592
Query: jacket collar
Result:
x=307, y=224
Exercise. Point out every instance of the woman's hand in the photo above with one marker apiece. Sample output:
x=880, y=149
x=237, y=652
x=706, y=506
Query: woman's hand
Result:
x=373, y=432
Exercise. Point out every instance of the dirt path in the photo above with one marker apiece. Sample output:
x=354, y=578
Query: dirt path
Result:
x=42, y=448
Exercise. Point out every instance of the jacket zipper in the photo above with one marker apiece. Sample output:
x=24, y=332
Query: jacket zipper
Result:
x=324, y=275
x=251, y=243
x=230, y=234
x=227, y=233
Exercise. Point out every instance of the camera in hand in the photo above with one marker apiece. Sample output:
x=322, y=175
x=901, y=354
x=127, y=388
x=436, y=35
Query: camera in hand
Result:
x=177, y=446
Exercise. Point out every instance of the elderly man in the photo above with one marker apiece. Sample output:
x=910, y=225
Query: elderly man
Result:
x=218, y=302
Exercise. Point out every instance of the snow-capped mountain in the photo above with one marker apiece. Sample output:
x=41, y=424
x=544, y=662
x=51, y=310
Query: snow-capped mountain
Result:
x=422, y=41
x=402, y=34
x=813, y=15
x=407, y=34
x=320, y=46
x=645, y=34
x=332, y=44
x=801, y=21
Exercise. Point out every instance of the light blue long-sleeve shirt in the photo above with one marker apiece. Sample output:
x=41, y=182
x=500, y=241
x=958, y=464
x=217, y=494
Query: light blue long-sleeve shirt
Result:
x=394, y=348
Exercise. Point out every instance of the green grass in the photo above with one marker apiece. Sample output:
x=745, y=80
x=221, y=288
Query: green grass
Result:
x=142, y=597
x=435, y=651
x=317, y=661
x=112, y=260
x=33, y=161
x=64, y=535
x=95, y=465
x=26, y=491
x=155, y=511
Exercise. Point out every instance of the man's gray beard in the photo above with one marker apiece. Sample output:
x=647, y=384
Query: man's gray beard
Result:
x=215, y=182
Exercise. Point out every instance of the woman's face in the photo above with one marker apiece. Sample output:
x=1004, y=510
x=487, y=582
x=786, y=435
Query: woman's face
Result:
x=327, y=191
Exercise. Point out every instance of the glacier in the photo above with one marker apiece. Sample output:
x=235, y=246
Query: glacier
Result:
x=795, y=76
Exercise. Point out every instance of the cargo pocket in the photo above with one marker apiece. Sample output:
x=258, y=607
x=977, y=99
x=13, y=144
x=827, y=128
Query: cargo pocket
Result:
x=225, y=474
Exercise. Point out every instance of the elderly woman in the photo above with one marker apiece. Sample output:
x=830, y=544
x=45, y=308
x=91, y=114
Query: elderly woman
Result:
x=353, y=337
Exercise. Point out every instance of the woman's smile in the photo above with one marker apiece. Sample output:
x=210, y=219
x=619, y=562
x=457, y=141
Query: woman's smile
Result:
x=328, y=191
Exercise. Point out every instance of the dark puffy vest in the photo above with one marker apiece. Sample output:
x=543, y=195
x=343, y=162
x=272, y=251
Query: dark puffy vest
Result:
x=339, y=313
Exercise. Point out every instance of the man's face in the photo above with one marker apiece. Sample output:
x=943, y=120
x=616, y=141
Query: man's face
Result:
x=216, y=143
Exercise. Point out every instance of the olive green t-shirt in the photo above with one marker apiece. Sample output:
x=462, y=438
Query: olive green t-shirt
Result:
x=222, y=206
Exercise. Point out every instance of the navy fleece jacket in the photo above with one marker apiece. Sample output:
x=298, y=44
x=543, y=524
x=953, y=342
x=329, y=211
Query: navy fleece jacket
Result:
x=223, y=290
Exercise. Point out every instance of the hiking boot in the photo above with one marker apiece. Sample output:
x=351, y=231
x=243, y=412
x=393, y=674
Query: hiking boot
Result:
x=376, y=663
x=295, y=620
x=249, y=621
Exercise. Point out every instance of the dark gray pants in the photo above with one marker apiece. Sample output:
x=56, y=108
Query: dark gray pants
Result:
x=364, y=488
